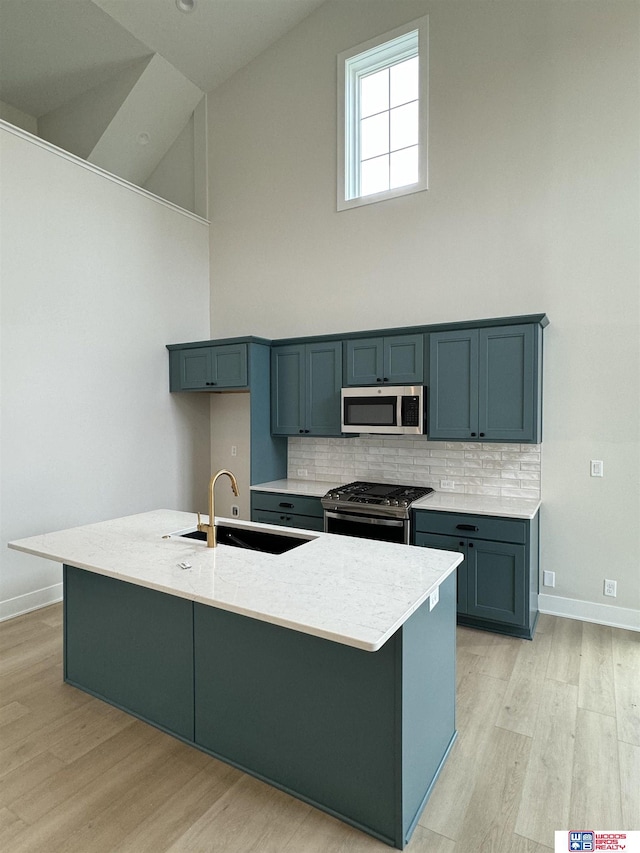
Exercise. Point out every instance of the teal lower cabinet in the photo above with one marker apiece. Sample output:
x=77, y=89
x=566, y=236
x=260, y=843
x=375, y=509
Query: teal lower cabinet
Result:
x=498, y=581
x=360, y=735
x=131, y=646
x=288, y=510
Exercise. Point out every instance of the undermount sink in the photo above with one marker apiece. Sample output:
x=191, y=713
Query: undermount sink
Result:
x=252, y=540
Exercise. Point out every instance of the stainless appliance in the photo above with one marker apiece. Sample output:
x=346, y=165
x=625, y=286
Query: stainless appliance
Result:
x=372, y=510
x=390, y=410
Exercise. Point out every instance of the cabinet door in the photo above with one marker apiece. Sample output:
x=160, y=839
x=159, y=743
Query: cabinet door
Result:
x=287, y=390
x=365, y=361
x=453, y=385
x=194, y=368
x=496, y=587
x=449, y=543
x=322, y=391
x=507, y=383
x=404, y=360
x=229, y=366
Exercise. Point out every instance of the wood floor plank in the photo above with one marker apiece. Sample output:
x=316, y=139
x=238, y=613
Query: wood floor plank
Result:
x=522, y=699
x=29, y=776
x=252, y=817
x=58, y=729
x=547, y=787
x=52, y=832
x=566, y=651
x=12, y=711
x=489, y=823
x=596, y=685
x=10, y=826
x=139, y=801
x=595, y=793
x=69, y=780
x=163, y=827
x=479, y=701
x=321, y=833
x=626, y=676
x=629, y=757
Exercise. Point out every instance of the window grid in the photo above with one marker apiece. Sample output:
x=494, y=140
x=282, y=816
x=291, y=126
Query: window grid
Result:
x=401, y=140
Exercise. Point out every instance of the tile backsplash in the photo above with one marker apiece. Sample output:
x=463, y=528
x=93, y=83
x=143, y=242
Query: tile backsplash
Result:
x=474, y=468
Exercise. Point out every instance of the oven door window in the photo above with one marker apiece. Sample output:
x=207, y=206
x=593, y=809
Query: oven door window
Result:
x=370, y=411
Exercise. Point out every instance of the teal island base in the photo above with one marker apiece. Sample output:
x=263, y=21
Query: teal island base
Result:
x=361, y=735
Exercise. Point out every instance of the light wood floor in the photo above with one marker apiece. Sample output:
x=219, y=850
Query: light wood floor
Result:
x=549, y=738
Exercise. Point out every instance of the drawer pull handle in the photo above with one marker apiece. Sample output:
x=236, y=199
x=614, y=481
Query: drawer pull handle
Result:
x=286, y=506
x=466, y=527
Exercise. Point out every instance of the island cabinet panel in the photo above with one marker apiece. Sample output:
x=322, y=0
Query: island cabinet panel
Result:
x=485, y=384
x=359, y=734
x=132, y=646
x=289, y=510
x=497, y=586
x=396, y=360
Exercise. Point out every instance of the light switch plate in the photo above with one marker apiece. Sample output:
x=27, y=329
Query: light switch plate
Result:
x=597, y=468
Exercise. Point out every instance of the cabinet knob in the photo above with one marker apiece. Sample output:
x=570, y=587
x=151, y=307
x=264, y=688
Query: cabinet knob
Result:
x=461, y=543
x=378, y=379
x=473, y=435
x=386, y=379
x=481, y=435
x=470, y=544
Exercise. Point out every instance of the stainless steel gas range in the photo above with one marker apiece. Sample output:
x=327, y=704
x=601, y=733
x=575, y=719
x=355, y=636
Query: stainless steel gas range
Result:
x=372, y=510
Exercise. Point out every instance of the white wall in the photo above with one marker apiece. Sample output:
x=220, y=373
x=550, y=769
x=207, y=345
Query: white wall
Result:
x=532, y=207
x=96, y=278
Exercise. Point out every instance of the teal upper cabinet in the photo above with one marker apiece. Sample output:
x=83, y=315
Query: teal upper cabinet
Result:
x=396, y=360
x=305, y=389
x=485, y=384
x=209, y=368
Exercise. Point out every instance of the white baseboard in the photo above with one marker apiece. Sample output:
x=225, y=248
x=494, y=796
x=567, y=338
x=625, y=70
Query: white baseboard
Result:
x=589, y=611
x=30, y=601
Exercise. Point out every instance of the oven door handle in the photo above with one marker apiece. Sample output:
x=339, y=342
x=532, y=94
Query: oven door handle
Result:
x=365, y=519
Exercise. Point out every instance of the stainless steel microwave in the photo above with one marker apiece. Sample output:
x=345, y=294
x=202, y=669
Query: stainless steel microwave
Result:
x=390, y=410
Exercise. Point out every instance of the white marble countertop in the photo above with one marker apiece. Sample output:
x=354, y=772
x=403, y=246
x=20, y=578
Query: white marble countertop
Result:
x=439, y=501
x=352, y=591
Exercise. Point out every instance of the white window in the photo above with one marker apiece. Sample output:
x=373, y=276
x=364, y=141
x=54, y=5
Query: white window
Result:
x=382, y=117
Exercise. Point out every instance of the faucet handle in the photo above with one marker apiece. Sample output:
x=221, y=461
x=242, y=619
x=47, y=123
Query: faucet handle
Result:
x=199, y=522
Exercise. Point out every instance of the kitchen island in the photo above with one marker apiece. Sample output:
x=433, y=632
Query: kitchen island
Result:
x=327, y=670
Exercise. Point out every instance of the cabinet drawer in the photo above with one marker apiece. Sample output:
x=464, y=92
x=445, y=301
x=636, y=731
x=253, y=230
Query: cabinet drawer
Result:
x=291, y=504
x=287, y=519
x=474, y=526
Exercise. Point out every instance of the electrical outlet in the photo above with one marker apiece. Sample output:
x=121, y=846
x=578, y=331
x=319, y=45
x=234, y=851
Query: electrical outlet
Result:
x=302, y=472
x=447, y=484
x=434, y=598
x=235, y=510
x=597, y=468
x=549, y=578
x=234, y=450
x=610, y=588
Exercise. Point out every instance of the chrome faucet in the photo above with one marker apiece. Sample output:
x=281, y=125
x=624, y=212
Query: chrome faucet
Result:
x=210, y=529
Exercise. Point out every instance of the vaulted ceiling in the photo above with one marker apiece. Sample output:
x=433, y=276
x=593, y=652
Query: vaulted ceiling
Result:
x=53, y=51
